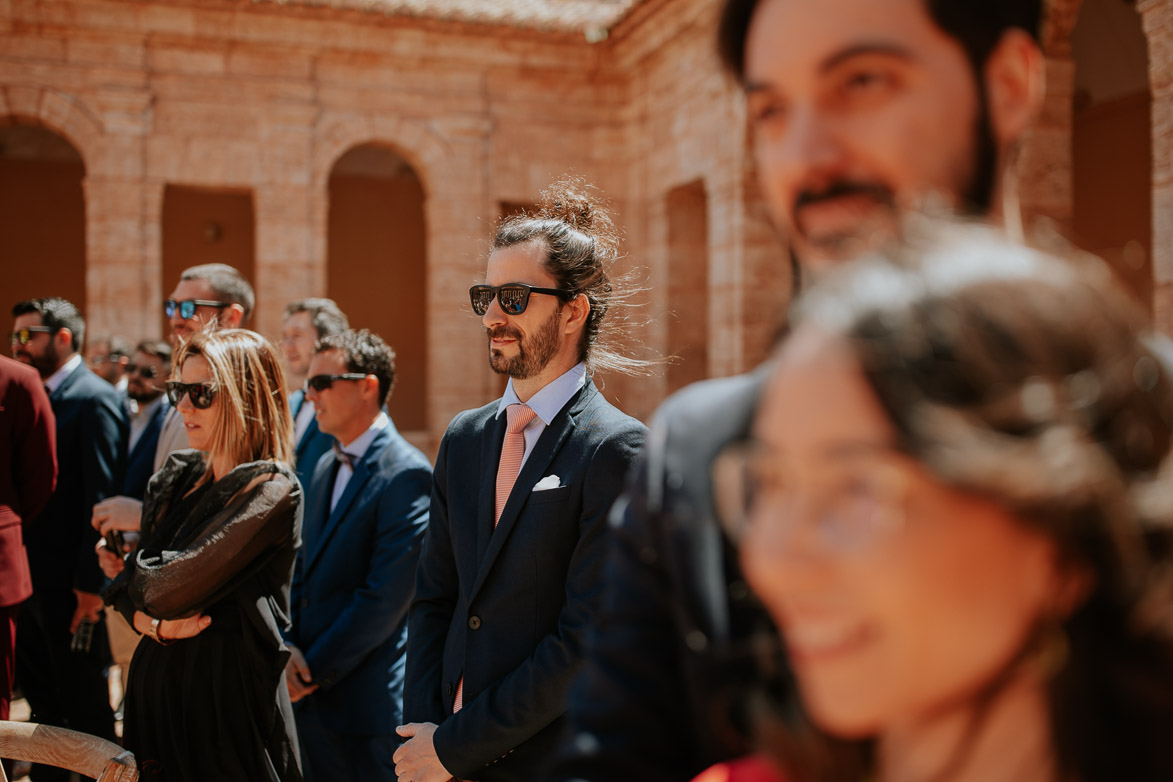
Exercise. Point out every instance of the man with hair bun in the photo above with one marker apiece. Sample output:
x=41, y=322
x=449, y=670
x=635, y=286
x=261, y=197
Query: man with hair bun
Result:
x=511, y=569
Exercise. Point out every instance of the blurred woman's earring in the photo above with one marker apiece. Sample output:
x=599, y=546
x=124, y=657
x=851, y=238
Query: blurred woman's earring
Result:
x=1051, y=651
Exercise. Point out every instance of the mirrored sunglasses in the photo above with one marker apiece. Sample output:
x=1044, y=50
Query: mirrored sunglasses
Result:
x=25, y=335
x=187, y=307
x=513, y=296
x=201, y=394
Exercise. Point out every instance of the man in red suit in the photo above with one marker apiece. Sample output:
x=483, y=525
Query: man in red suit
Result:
x=28, y=473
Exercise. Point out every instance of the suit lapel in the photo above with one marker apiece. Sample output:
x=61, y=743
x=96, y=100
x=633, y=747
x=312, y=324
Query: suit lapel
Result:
x=491, y=442
x=547, y=447
x=366, y=467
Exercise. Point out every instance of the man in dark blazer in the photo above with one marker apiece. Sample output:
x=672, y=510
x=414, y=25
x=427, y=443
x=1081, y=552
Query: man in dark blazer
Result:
x=679, y=630
x=306, y=322
x=67, y=687
x=356, y=570
x=147, y=372
x=511, y=570
x=28, y=473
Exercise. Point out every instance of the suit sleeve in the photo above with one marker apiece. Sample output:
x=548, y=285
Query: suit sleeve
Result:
x=170, y=584
x=378, y=607
x=103, y=438
x=529, y=698
x=436, y=585
x=629, y=707
x=35, y=449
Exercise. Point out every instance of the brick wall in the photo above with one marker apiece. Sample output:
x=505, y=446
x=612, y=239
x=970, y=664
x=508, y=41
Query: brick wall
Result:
x=265, y=98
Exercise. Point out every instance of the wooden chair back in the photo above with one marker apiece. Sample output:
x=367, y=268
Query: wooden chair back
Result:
x=88, y=755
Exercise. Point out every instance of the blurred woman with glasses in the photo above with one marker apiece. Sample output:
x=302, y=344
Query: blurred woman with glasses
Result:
x=957, y=507
x=209, y=583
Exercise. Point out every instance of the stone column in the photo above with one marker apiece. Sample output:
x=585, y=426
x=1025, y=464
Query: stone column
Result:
x=1158, y=26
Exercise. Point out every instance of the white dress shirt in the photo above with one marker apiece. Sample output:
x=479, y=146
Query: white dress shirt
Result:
x=57, y=378
x=357, y=448
x=301, y=423
x=139, y=421
x=547, y=403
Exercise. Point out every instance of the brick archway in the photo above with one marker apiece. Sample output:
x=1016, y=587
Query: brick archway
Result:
x=59, y=112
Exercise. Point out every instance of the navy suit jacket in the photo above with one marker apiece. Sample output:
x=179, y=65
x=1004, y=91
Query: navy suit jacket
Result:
x=140, y=463
x=509, y=609
x=91, y=448
x=354, y=581
x=314, y=442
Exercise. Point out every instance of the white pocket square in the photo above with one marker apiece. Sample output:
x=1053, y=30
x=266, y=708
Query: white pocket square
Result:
x=547, y=483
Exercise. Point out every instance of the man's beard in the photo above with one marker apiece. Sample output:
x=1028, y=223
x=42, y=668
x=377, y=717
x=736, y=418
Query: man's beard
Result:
x=46, y=363
x=143, y=397
x=974, y=196
x=533, y=352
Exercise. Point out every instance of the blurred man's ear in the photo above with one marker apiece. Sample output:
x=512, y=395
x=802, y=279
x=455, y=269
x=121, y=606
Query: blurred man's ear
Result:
x=232, y=317
x=1015, y=86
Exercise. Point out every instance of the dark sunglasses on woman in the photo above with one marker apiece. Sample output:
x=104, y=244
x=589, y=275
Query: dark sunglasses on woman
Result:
x=512, y=296
x=201, y=394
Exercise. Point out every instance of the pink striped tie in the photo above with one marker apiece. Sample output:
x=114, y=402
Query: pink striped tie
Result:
x=512, y=451
x=518, y=417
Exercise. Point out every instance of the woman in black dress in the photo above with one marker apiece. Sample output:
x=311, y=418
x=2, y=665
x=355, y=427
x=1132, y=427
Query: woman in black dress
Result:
x=209, y=584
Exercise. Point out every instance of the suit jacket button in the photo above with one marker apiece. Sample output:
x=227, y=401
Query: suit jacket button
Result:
x=474, y=623
x=305, y=601
x=448, y=689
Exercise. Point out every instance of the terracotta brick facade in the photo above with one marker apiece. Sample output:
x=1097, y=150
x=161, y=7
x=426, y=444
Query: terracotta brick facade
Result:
x=266, y=97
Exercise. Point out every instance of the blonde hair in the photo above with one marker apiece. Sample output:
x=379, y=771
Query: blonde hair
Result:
x=253, y=422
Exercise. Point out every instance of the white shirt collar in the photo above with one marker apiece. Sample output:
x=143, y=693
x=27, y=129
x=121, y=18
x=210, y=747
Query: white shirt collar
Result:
x=146, y=411
x=57, y=378
x=552, y=397
x=358, y=447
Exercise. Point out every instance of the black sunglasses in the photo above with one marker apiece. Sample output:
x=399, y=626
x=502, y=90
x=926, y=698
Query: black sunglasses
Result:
x=201, y=394
x=324, y=382
x=512, y=296
x=25, y=335
x=147, y=370
x=187, y=307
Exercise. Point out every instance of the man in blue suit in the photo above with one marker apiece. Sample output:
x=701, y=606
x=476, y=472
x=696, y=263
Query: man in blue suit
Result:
x=148, y=370
x=510, y=574
x=307, y=321
x=364, y=523
x=64, y=687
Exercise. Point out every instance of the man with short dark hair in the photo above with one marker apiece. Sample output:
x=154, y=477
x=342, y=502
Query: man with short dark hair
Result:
x=307, y=321
x=147, y=373
x=66, y=686
x=860, y=109
x=355, y=574
x=107, y=356
x=210, y=296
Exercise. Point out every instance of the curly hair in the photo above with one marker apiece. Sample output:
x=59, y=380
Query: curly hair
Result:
x=364, y=351
x=582, y=245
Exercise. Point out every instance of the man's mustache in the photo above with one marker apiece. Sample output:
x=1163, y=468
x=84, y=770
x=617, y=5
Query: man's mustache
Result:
x=503, y=332
x=844, y=188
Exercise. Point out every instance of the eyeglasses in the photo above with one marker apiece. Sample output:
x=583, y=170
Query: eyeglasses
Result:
x=321, y=383
x=201, y=394
x=852, y=500
x=25, y=335
x=513, y=297
x=97, y=361
x=147, y=370
x=187, y=307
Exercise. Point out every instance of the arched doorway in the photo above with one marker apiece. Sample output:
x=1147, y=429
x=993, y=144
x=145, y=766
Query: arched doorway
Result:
x=1112, y=140
x=377, y=265
x=42, y=216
